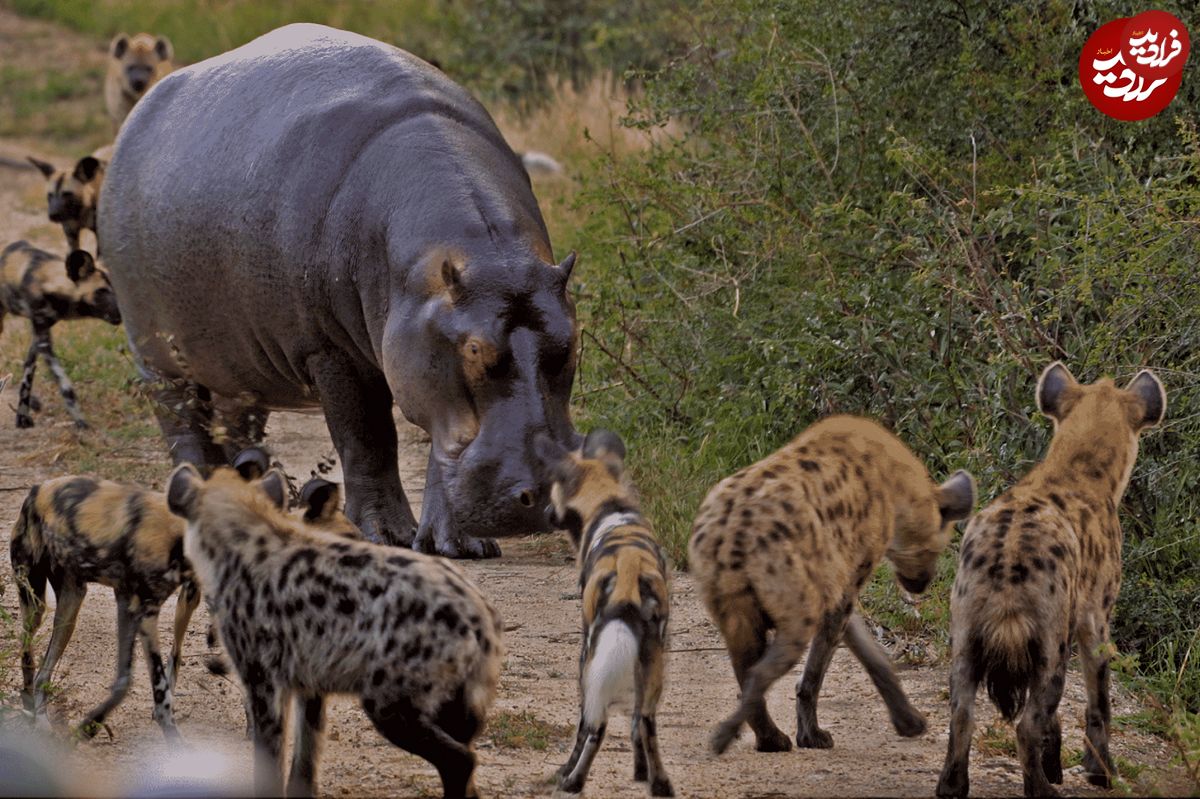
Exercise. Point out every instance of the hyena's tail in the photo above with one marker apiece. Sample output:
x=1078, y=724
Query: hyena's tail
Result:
x=610, y=670
x=1007, y=653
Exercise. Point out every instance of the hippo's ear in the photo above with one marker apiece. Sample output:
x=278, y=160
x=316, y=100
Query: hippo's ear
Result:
x=320, y=499
x=607, y=447
x=564, y=269
x=452, y=278
x=1054, y=387
x=183, y=488
x=252, y=463
x=80, y=265
x=163, y=49
x=1149, y=389
x=46, y=169
x=275, y=486
x=119, y=45
x=86, y=169
x=956, y=496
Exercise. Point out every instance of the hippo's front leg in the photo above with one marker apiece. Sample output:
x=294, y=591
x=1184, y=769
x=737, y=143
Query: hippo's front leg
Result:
x=358, y=411
x=437, y=534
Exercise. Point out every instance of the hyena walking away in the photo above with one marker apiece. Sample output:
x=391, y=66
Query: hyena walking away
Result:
x=73, y=198
x=623, y=579
x=1042, y=564
x=307, y=613
x=787, y=544
x=46, y=290
x=75, y=530
x=135, y=64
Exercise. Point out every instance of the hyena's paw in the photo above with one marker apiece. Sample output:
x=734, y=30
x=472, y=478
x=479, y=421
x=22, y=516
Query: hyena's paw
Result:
x=662, y=787
x=775, y=741
x=821, y=739
x=910, y=725
x=568, y=784
x=724, y=735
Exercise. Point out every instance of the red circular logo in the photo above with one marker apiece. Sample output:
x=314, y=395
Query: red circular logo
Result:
x=1132, y=67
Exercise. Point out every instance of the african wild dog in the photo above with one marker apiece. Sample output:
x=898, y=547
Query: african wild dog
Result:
x=73, y=198
x=1042, y=564
x=134, y=65
x=308, y=613
x=623, y=579
x=46, y=290
x=787, y=544
x=72, y=531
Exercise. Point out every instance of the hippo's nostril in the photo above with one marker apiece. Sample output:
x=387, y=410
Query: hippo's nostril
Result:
x=525, y=498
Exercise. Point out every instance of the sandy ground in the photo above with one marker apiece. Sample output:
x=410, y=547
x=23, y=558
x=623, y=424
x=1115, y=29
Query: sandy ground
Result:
x=534, y=585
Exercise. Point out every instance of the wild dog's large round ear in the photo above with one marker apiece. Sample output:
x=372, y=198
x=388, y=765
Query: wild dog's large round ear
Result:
x=320, y=499
x=252, y=463
x=183, y=487
x=956, y=496
x=163, y=48
x=46, y=169
x=80, y=265
x=86, y=169
x=1149, y=389
x=606, y=446
x=1053, y=386
x=119, y=45
x=275, y=485
x=547, y=452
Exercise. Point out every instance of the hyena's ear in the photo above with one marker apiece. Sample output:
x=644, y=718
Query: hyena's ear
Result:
x=1054, y=387
x=119, y=45
x=275, y=486
x=320, y=499
x=606, y=447
x=956, y=497
x=163, y=48
x=80, y=265
x=1149, y=389
x=252, y=463
x=86, y=169
x=183, y=488
x=46, y=169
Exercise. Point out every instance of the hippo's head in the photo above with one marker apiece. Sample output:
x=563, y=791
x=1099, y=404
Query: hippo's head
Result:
x=485, y=363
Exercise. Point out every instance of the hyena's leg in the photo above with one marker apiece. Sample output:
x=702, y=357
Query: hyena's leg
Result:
x=46, y=348
x=744, y=628
x=955, y=778
x=160, y=676
x=25, y=392
x=1031, y=733
x=791, y=639
x=649, y=685
x=1052, y=730
x=906, y=719
x=1093, y=656
x=127, y=627
x=185, y=606
x=268, y=713
x=808, y=734
x=69, y=595
x=310, y=725
x=399, y=722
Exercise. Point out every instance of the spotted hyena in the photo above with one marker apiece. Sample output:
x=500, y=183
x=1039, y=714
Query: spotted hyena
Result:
x=623, y=580
x=304, y=613
x=1040, y=565
x=135, y=64
x=787, y=544
x=73, y=196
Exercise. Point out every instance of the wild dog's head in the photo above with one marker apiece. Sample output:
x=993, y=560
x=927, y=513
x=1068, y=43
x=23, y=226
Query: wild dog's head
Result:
x=94, y=296
x=70, y=194
x=586, y=482
x=139, y=61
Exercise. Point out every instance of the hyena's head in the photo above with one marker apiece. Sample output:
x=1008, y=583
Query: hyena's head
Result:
x=227, y=500
x=94, y=295
x=141, y=60
x=584, y=483
x=70, y=193
x=924, y=523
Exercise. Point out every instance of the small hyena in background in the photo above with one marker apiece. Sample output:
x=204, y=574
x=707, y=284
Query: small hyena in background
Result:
x=1040, y=565
x=135, y=64
x=306, y=613
x=786, y=545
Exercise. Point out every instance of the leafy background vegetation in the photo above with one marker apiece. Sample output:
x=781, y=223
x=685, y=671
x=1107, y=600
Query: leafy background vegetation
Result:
x=904, y=211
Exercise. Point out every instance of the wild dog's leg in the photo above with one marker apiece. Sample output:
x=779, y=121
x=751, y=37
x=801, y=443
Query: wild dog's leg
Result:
x=268, y=711
x=185, y=606
x=791, y=639
x=436, y=534
x=310, y=726
x=358, y=410
x=744, y=628
x=649, y=685
x=46, y=348
x=31, y=594
x=127, y=627
x=955, y=778
x=25, y=392
x=1052, y=735
x=401, y=724
x=581, y=728
x=592, y=735
x=906, y=719
x=69, y=595
x=184, y=412
x=160, y=677
x=1093, y=656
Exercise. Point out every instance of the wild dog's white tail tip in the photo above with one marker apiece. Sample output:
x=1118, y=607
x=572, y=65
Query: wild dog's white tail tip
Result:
x=539, y=163
x=610, y=672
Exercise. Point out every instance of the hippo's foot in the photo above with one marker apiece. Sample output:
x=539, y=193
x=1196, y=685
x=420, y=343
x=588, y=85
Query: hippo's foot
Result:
x=462, y=548
x=392, y=524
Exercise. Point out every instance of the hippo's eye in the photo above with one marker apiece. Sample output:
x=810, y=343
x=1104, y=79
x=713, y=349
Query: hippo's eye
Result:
x=473, y=348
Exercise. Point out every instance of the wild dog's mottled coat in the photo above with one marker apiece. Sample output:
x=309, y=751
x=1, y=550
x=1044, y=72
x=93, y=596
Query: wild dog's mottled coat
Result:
x=623, y=579
x=787, y=544
x=1042, y=564
x=75, y=530
x=310, y=613
x=73, y=197
x=135, y=64
x=45, y=289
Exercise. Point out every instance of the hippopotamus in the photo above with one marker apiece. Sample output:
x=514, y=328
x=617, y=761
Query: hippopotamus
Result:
x=319, y=219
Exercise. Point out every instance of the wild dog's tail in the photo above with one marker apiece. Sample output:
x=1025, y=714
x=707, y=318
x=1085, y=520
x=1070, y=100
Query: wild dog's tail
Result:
x=609, y=673
x=1007, y=653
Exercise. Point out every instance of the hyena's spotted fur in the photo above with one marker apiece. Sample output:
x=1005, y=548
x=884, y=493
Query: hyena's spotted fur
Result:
x=306, y=613
x=45, y=289
x=1042, y=564
x=623, y=579
x=73, y=197
x=135, y=64
x=73, y=531
x=787, y=544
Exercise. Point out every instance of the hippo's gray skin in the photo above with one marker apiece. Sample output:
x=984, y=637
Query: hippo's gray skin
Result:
x=317, y=218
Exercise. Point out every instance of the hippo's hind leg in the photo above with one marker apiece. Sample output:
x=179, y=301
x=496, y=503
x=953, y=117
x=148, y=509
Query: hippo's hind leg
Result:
x=185, y=414
x=358, y=410
x=437, y=534
x=238, y=424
